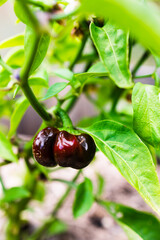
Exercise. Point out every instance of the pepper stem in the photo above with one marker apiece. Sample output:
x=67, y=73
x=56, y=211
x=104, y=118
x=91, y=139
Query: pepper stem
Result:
x=66, y=121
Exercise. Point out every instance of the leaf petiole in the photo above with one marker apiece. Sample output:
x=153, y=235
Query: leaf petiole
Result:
x=5, y=66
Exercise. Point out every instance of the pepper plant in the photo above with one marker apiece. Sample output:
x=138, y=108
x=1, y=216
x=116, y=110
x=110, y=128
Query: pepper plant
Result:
x=98, y=37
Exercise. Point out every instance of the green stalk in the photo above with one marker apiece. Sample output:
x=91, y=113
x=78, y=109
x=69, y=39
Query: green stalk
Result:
x=69, y=183
x=30, y=15
x=6, y=162
x=131, y=44
x=117, y=94
x=63, y=198
x=25, y=71
x=41, y=231
x=35, y=103
x=2, y=184
x=5, y=66
x=64, y=118
x=88, y=65
x=45, y=7
x=60, y=16
x=119, y=91
x=140, y=62
x=143, y=76
x=70, y=103
x=157, y=79
x=14, y=210
x=84, y=40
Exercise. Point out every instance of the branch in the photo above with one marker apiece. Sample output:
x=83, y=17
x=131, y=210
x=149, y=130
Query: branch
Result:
x=24, y=74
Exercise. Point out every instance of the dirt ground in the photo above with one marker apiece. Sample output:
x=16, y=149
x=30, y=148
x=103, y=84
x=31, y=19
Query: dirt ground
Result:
x=96, y=224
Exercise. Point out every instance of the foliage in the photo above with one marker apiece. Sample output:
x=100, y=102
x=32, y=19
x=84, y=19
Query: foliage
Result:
x=100, y=36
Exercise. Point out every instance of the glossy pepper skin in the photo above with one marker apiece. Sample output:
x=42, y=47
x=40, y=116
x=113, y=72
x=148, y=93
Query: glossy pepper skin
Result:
x=75, y=151
x=43, y=145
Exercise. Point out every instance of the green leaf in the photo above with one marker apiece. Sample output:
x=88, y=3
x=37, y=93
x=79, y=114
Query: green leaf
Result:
x=91, y=76
x=39, y=78
x=19, y=111
x=16, y=91
x=130, y=156
x=153, y=153
x=55, y=89
x=20, y=12
x=137, y=225
x=15, y=193
x=4, y=78
x=56, y=227
x=142, y=19
x=83, y=198
x=46, y=5
x=146, y=118
x=6, y=151
x=67, y=75
x=64, y=73
x=15, y=57
x=39, y=192
x=72, y=184
x=65, y=48
x=17, y=40
x=157, y=60
x=124, y=118
x=38, y=82
x=83, y=78
x=41, y=48
x=98, y=68
x=112, y=46
x=2, y=2
x=49, y=228
x=100, y=185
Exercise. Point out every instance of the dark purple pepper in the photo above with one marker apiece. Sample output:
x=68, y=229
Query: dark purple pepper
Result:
x=43, y=145
x=75, y=151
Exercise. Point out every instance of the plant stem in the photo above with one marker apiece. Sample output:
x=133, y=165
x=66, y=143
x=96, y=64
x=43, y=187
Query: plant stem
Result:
x=95, y=103
x=119, y=91
x=64, y=117
x=72, y=184
x=70, y=103
x=60, y=16
x=24, y=74
x=35, y=103
x=130, y=49
x=6, y=162
x=72, y=100
x=88, y=65
x=2, y=184
x=5, y=66
x=43, y=6
x=38, y=234
x=25, y=71
x=117, y=95
x=143, y=76
x=131, y=44
x=84, y=40
x=157, y=79
x=63, y=198
x=140, y=62
x=41, y=230
x=32, y=19
x=88, y=57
